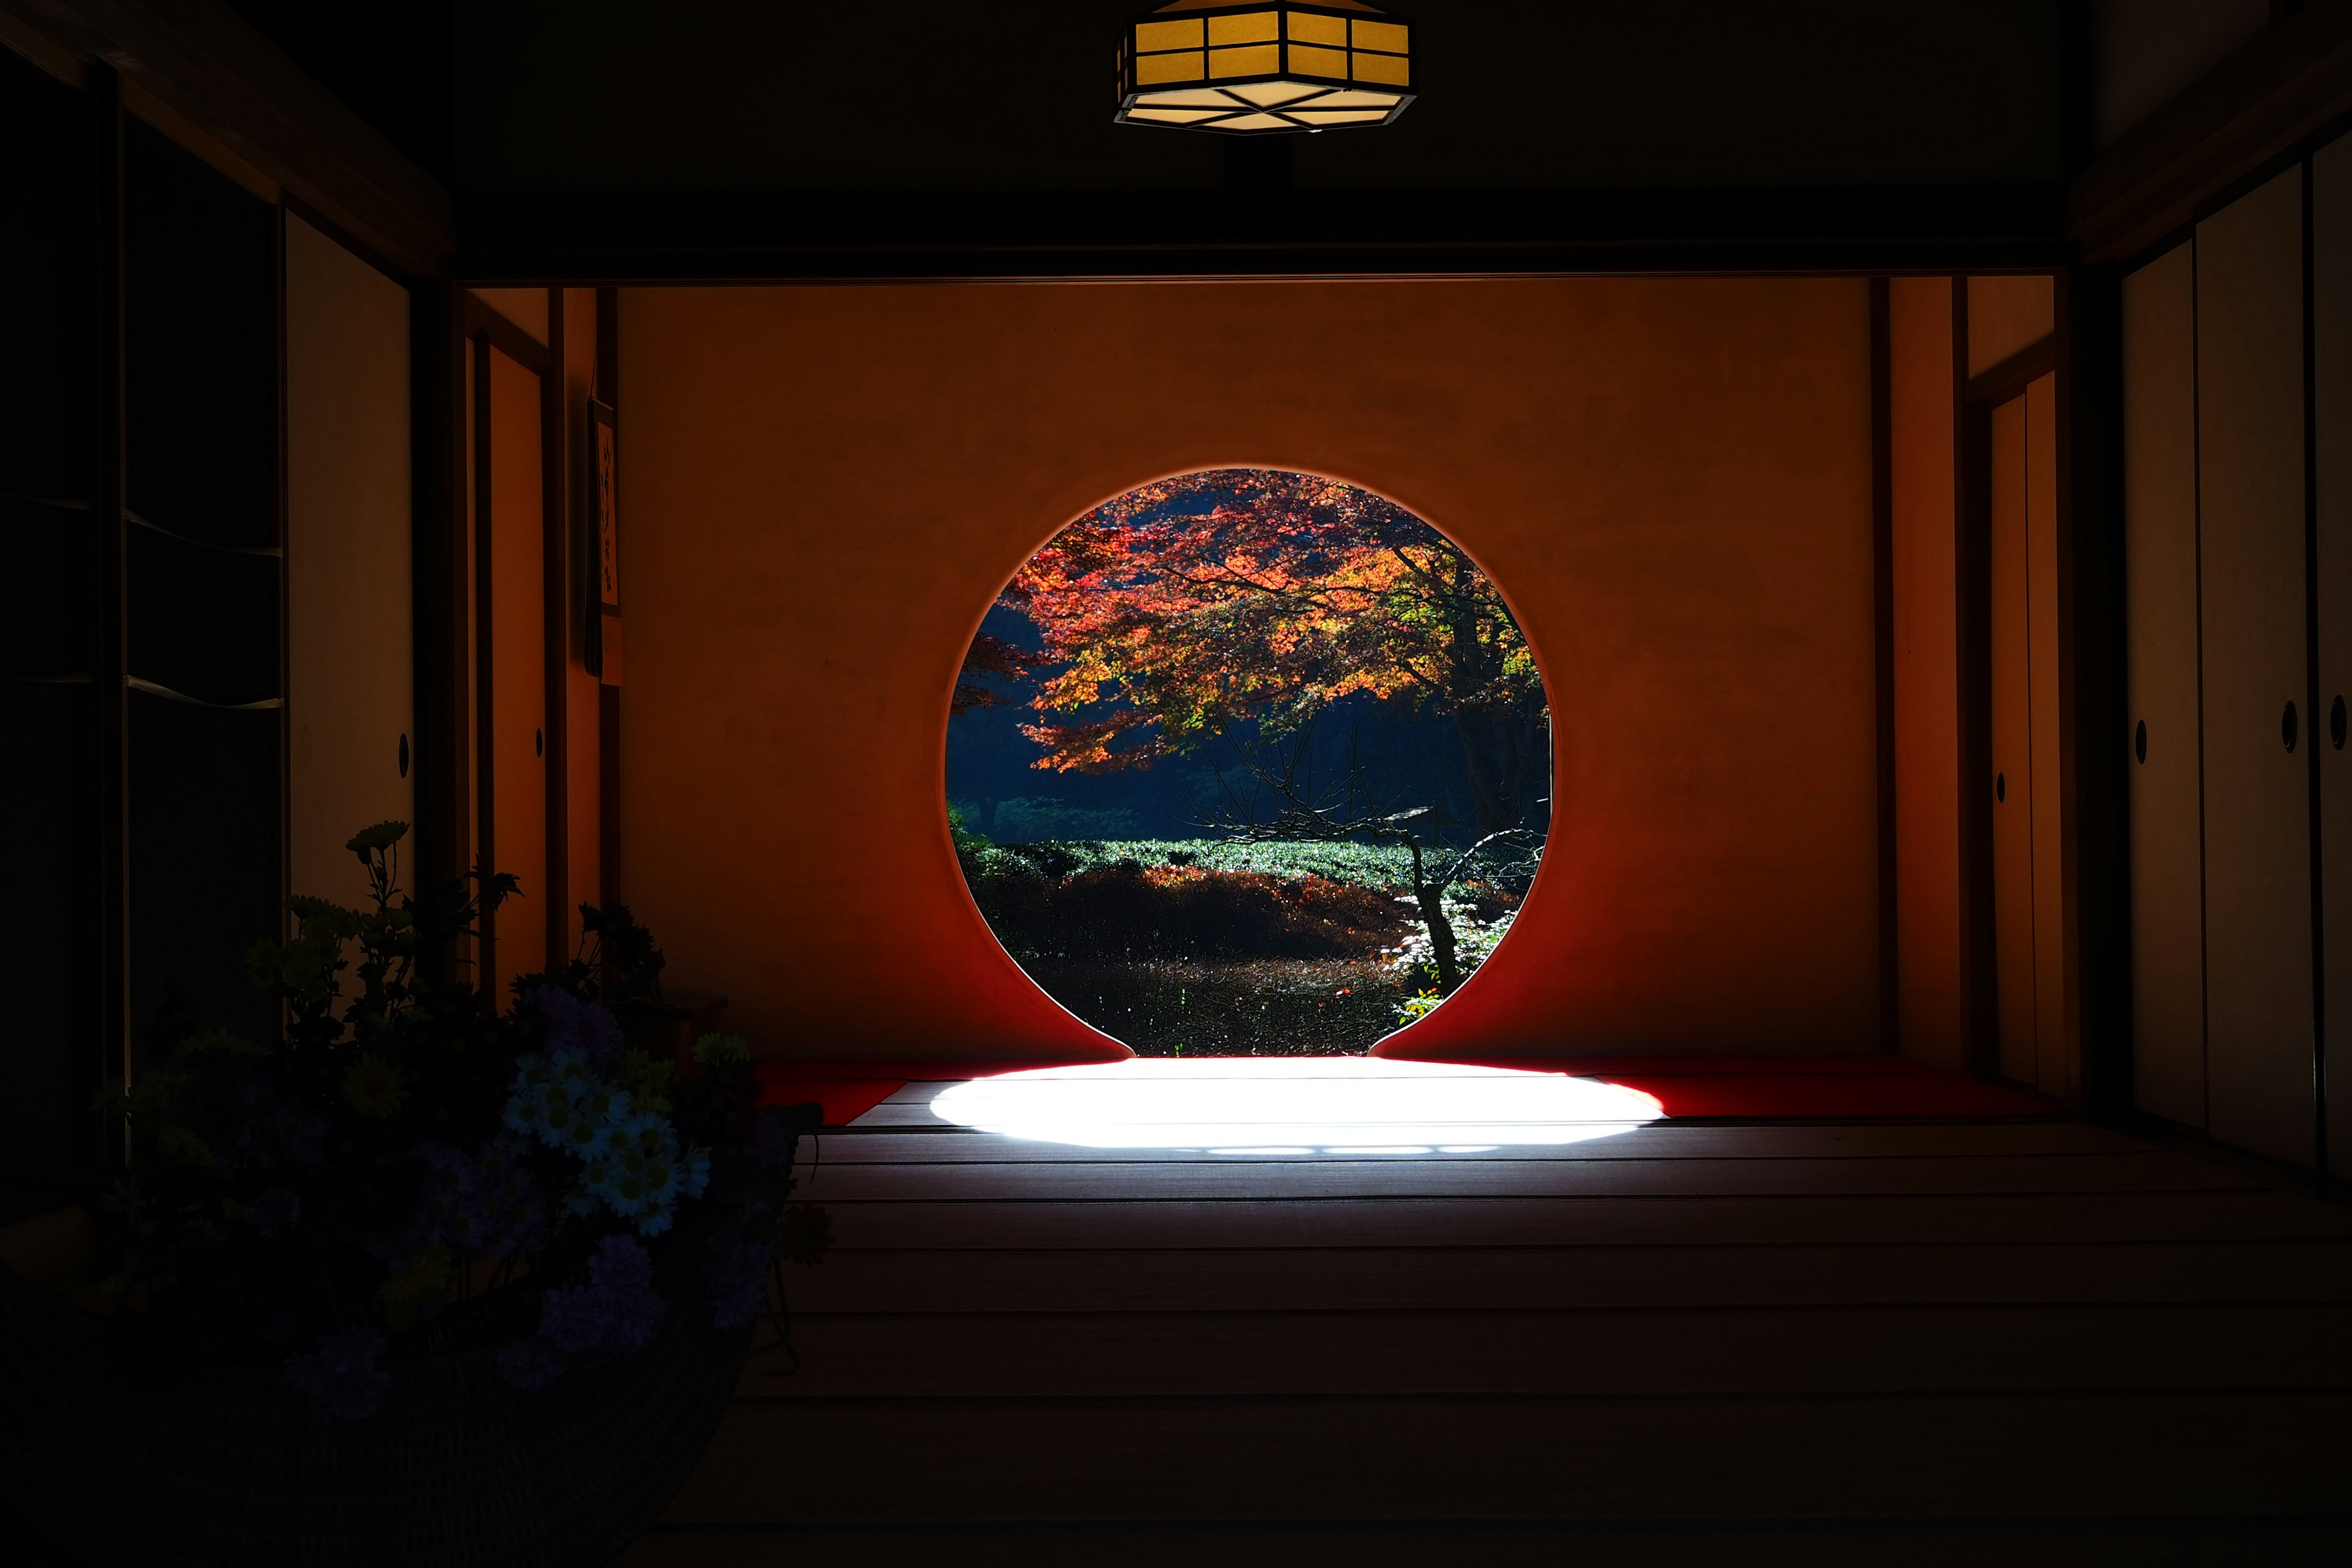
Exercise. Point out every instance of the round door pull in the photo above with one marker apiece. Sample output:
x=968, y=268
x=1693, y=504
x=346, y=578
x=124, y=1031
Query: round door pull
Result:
x=2139, y=740
x=538, y=744
x=404, y=756
x=2336, y=724
x=2001, y=786
x=2286, y=727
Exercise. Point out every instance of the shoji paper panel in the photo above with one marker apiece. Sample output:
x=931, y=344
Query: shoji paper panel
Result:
x=584, y=776
x=518, y=599
x=2054, y=968
x=350, y=650
x=2029, y=926
x=2012, y=750
x=2167, y=915
x=2257, y=802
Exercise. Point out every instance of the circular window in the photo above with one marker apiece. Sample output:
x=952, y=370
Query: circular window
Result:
x=1249, y=763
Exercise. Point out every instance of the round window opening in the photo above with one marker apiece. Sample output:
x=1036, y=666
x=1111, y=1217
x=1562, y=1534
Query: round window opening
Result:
x=1249, y=763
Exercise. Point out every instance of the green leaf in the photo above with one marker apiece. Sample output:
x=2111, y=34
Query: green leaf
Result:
x=712, y=1050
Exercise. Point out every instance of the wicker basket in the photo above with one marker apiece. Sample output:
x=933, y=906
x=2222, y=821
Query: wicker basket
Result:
x=108, y=1463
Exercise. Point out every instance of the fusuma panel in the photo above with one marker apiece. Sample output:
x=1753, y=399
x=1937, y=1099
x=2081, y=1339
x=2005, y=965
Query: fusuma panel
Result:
x=2168, y=917
x=2250, y=449
x=2331, y=255
x=2054, y=966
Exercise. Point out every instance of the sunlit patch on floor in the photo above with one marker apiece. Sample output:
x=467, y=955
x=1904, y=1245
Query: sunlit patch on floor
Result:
x=1276, y=1106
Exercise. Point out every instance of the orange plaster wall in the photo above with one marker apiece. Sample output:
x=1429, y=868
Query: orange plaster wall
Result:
x=823, y=488
x=1930, y=955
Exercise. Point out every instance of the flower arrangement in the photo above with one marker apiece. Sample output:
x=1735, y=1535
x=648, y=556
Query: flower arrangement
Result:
x=408, y=1170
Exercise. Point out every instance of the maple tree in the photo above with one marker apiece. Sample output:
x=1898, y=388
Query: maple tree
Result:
x=1192, y=608
x=991, y=655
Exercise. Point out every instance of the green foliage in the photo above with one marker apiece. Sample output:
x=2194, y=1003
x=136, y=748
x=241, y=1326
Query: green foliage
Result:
x=650, y=1080
x=1028, y=820
x=713, y=1051
x=1106, y=912
x=1418, y=1005
x=1381, y=866
x=1125, y=911
x=403, y=1148
x=967, y=839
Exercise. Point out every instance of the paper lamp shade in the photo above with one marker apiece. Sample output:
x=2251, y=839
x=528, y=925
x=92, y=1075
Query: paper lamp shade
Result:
x=1203, y=65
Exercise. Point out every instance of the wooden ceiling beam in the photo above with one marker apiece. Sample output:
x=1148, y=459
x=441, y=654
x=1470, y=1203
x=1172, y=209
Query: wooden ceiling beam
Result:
x=2257, y=107
x=209, y=66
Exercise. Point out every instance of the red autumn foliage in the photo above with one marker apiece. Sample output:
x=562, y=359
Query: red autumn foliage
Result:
x=1187, y=608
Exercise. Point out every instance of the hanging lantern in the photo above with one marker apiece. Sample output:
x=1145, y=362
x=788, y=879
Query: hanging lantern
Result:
x=1210, y=64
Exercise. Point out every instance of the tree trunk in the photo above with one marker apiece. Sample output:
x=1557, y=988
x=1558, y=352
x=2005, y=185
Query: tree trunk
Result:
x=1432, y=900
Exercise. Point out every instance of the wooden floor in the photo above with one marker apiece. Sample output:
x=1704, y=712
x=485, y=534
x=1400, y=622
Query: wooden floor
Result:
x=1867, y=1342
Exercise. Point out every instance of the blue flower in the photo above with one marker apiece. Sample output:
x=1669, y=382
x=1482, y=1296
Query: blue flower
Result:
x=584, y=1137
x=698, y=1173
x=738, y=1272
x=570, y=1069
x=486, y=1203
x=532, y=1362
x=617, y=1310
x=626, y=1189
x=644, y=1131
x=661, y=1175
x=599, y=1034
x=566, y=1126
x=561, y=1012
x=344, y=1374
x=532, y=1073
x=579, y=1320
x=587, y=1028
x=525, y=1114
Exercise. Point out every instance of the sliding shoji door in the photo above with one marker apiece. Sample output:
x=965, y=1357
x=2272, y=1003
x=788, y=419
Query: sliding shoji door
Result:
x=515, y=550
x=351, y=649
x=2028, y=885
x=2261, y=1026
x=2331, y=257
x=2167, y=901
